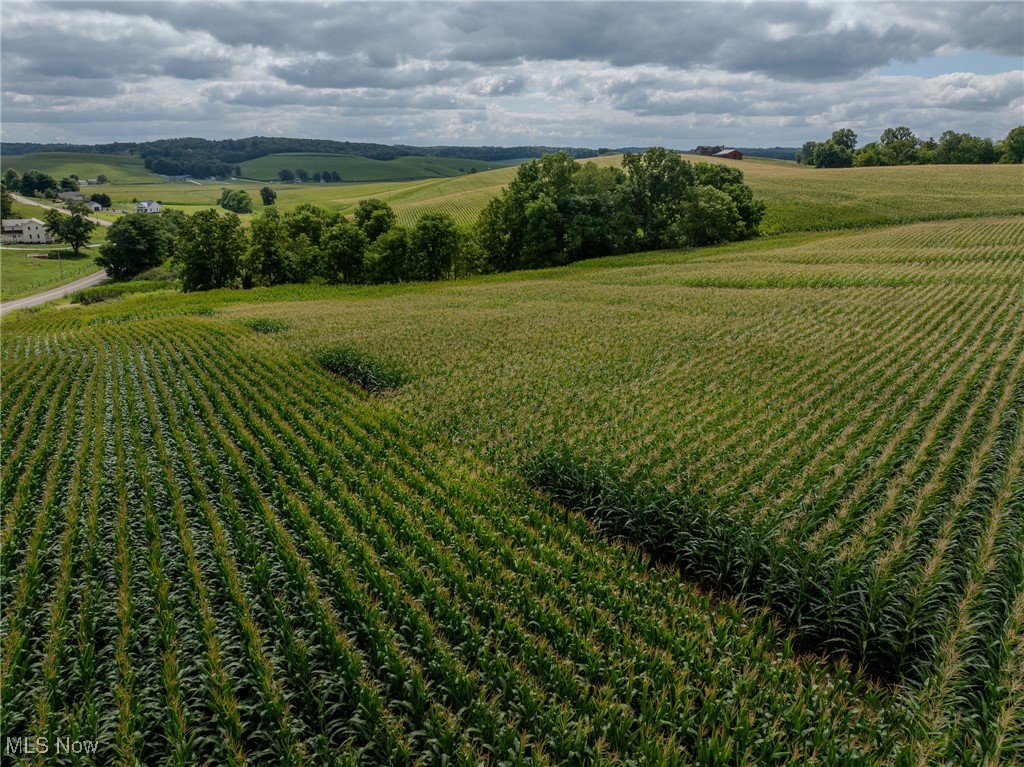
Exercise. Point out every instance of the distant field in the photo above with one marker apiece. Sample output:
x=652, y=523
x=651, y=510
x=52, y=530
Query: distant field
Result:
x=364, y=169
x=119, y=169
x=798, y=198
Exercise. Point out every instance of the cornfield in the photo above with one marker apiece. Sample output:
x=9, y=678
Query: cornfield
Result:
x=217, y=555
x=756, y=504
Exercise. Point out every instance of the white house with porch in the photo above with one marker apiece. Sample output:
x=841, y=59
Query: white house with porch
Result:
x=26, y=230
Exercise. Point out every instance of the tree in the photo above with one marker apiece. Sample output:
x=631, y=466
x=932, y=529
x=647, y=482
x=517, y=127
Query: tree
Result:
x=805, y=155
x=374, y=217
x=710, y=217
x=101, y=199
x=310, y=221
x=72, y=228
x=387, y=258
x=829, y=154
x=268, y=261
x=433, y=247
x=36, y=184
x=344, y=247
x=898, y=146
x=209, y=249
x=302, y=175
x=659, y=182
x=134, y=244
x=12, y=180
x=235, y=200
x=268, y=195
x=68, y=184
x=101, y=179
x=286, y=175
x=845, y=138
x=964, y=149
x=6, y=202
x=1013, y=146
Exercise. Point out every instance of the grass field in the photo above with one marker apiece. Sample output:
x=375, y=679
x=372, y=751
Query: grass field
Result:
x=119, y=169
x=23, y=276
x=364, y=169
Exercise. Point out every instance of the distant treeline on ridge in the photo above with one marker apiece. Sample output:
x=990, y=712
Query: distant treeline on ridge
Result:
x=203, y=157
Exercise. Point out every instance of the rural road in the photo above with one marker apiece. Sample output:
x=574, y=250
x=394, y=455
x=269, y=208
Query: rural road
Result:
x=59, y=292
x=54, y=293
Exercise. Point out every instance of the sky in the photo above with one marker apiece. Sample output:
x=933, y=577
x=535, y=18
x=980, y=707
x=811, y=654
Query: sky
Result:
x=585, y=74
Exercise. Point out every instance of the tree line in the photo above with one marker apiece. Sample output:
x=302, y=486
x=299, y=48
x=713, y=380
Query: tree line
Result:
x=899, y=146
x=202, y=157
x=555, y=211
x=34, y=183
x=308, y=244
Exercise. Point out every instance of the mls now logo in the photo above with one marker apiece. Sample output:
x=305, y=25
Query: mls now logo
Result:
x=41, y=745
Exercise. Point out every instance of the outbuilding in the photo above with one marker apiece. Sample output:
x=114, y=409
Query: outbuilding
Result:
x=729, y=154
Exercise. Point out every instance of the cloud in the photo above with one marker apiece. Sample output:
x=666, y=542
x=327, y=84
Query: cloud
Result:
x=596, y=73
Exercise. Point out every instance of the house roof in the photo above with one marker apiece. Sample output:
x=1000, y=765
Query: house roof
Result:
x=11, y=222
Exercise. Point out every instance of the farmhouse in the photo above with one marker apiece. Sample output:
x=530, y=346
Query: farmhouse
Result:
x=25, y=230
x=148, y=206
x=729, y=154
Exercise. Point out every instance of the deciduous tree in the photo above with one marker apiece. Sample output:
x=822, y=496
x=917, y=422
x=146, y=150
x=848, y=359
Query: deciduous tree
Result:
x=72, y=228
x=209, y=249
x=134, y=244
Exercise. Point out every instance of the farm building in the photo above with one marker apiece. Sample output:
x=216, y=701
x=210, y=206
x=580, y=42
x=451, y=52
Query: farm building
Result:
x=71, y=197
x=730, y=154
x=148, y=206
x=94, y=206
x=25, y=230
x=708, y=151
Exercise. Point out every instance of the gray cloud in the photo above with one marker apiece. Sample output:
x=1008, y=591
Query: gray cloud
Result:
x=603, y=73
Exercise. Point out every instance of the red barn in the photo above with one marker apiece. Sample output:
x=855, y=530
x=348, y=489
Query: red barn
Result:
x=730, y=154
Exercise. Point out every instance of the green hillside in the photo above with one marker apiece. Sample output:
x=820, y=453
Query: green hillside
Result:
x=363, y=169
x=119, y=169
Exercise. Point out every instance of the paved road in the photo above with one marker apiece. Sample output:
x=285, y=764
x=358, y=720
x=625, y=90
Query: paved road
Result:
x=53, y=294
x=59, y=292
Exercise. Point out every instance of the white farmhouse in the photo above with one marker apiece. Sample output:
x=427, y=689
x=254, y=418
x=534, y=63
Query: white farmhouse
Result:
x=148, y=206
x=25, y=230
